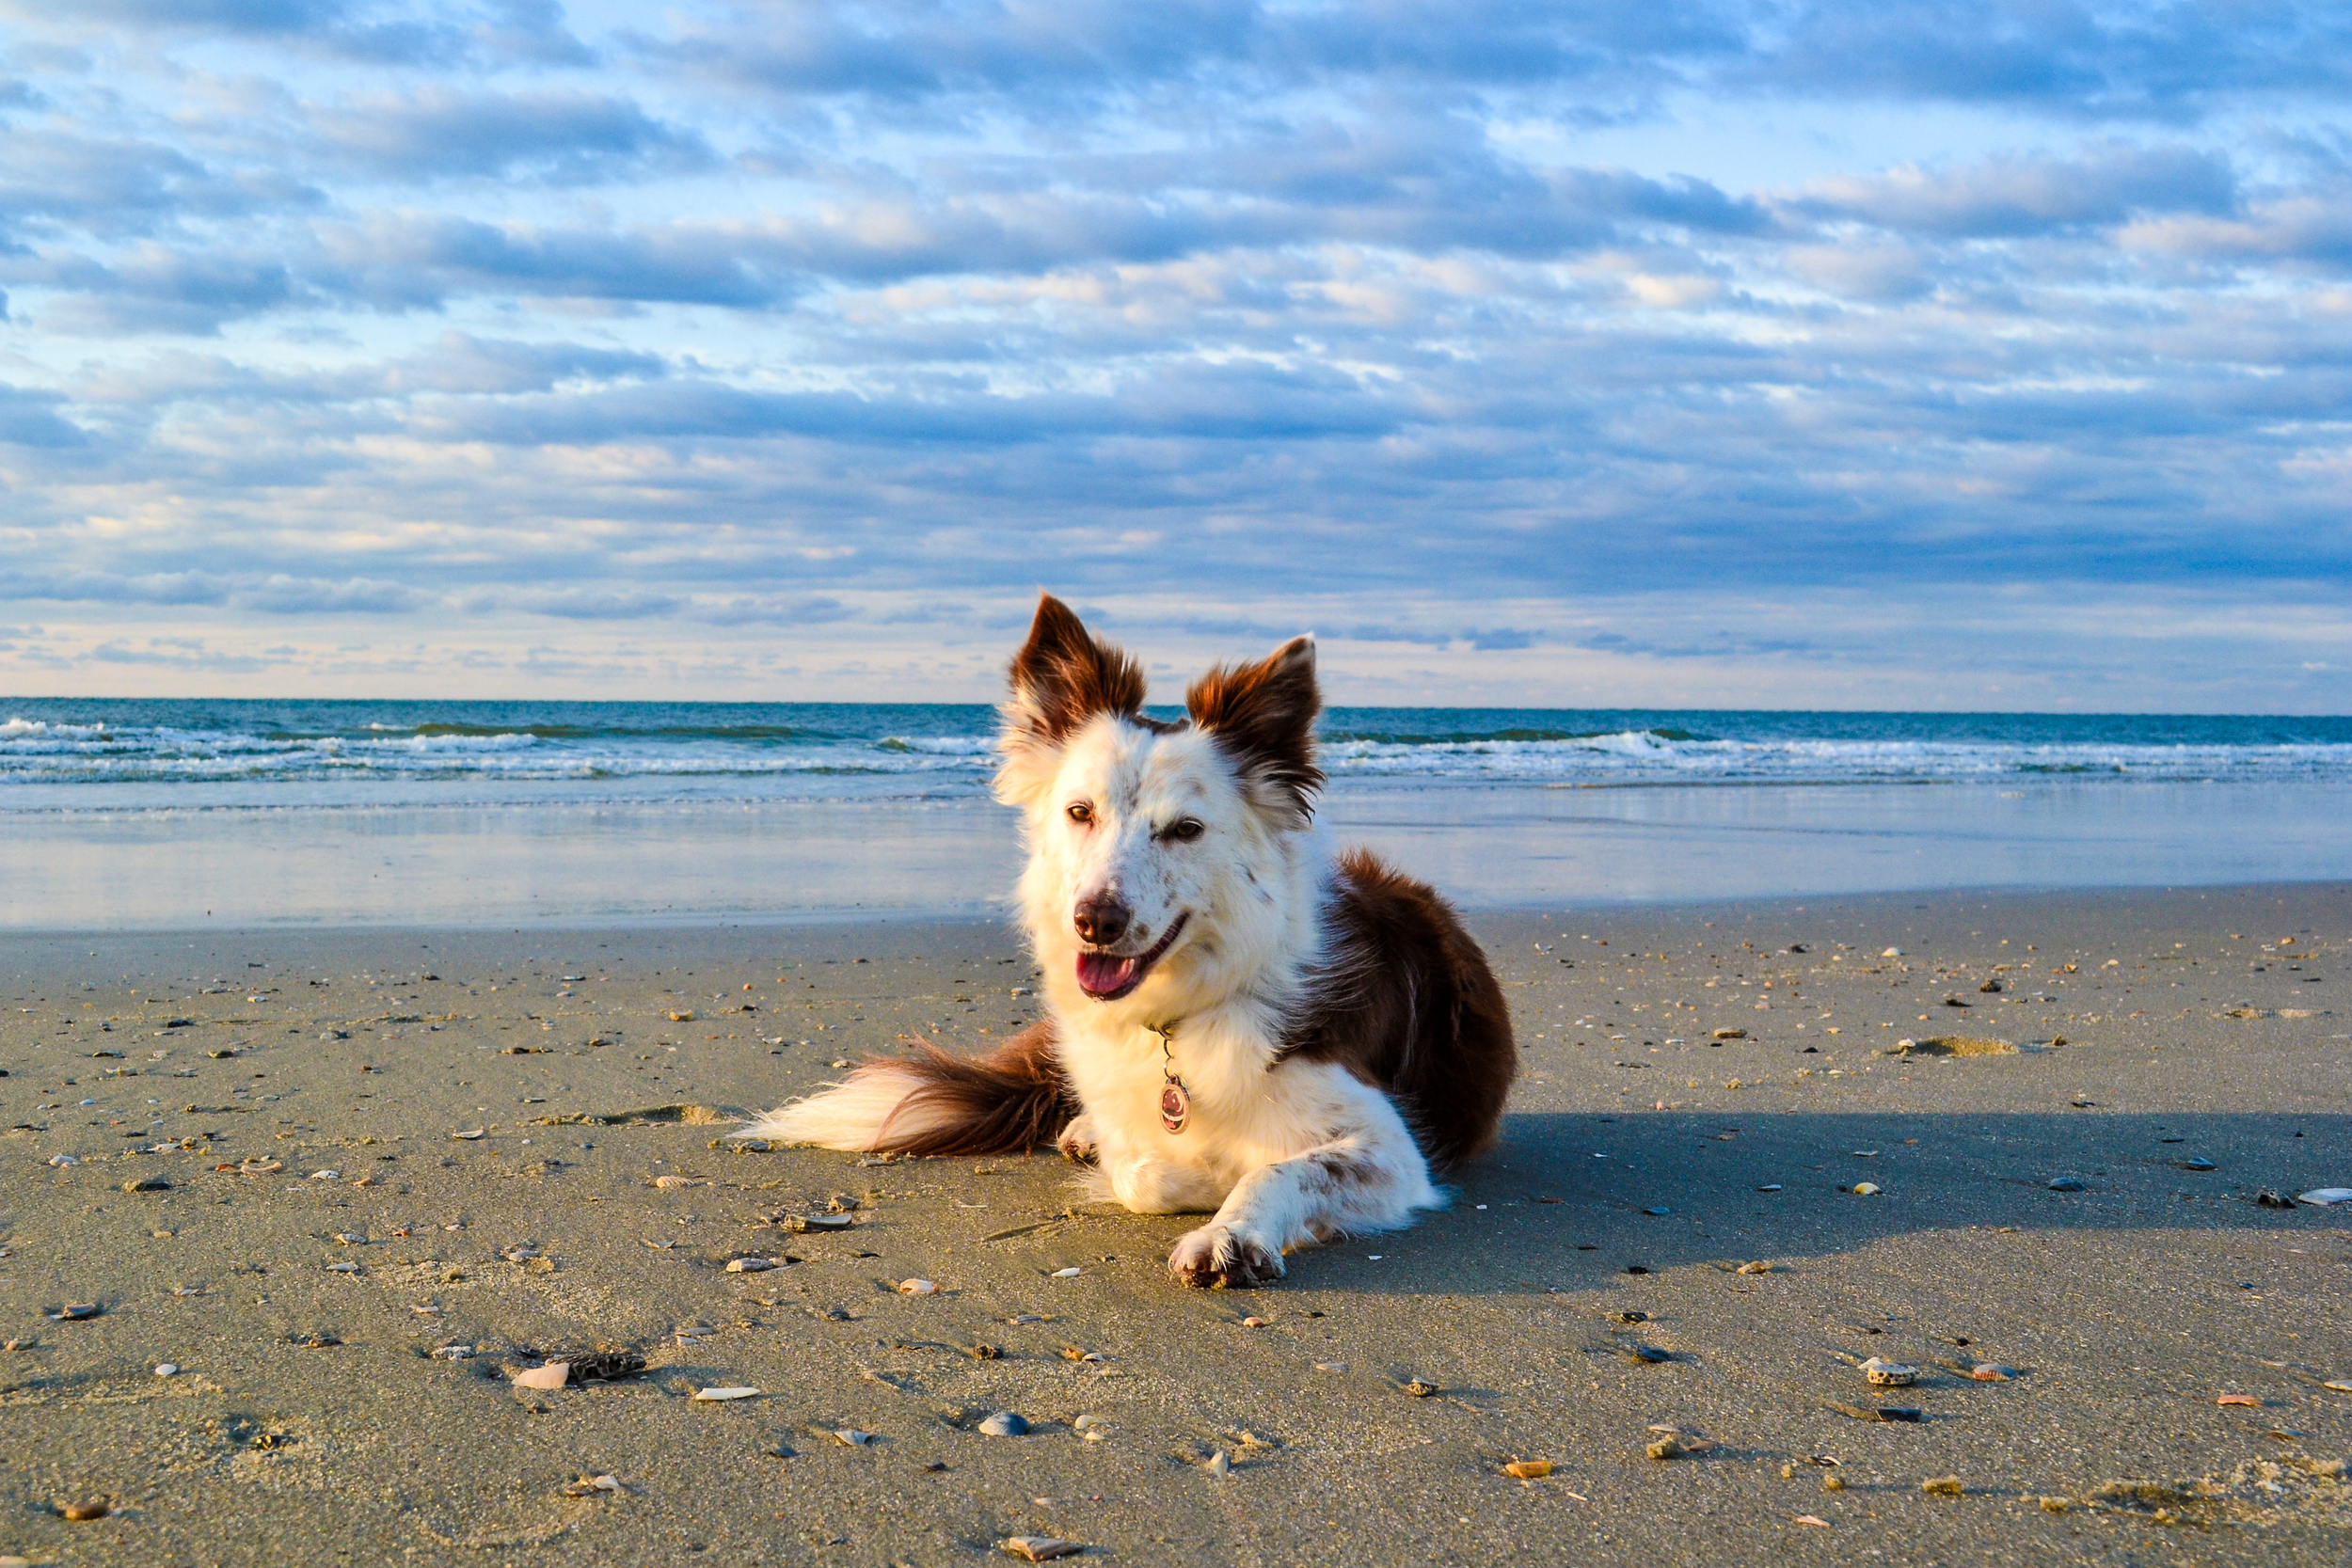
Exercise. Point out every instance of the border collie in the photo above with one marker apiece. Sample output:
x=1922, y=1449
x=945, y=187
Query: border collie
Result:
x=1239, y=1021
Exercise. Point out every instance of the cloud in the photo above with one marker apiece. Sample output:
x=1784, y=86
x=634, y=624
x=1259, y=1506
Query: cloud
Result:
x=373, y=32
x=1433, y=326
x=2006, y=197
x=440, y=132
x=30, y=419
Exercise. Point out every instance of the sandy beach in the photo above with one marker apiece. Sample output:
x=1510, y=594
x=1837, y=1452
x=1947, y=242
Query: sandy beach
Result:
x=298, y=1164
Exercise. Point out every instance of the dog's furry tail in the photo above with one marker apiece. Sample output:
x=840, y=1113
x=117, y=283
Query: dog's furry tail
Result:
x=1008, y=1102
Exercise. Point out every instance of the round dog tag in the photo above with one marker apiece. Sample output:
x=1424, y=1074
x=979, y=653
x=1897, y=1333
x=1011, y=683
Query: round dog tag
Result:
x=1175, y=1107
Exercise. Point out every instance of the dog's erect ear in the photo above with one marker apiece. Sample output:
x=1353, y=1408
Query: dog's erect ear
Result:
x=1263, y=716
x=1062, y=676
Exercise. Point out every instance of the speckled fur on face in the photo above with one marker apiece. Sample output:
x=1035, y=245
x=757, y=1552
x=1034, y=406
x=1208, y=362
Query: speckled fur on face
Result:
x=1236, y=886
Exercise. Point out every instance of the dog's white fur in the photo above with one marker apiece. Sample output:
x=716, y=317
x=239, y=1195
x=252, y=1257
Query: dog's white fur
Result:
x=1284, y=1150
x=1251, y=889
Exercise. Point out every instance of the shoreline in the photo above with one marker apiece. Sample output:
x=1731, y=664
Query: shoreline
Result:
x=1494, y=847
x=312, y=1417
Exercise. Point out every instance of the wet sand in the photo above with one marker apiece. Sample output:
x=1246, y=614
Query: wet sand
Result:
x=311, y=1421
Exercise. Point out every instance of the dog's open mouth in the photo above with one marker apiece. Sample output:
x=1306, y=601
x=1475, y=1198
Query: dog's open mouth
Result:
x=1108, y=977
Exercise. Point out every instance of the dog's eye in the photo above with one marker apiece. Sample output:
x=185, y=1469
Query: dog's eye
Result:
x=1185, y=830
x=1080, y=812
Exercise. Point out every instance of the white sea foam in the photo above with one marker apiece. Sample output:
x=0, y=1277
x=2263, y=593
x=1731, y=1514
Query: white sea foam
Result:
x=849, y=752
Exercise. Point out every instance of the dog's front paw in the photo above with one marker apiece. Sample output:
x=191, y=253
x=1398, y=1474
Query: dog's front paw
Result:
x=1216, y=1255
x=1076, y=1141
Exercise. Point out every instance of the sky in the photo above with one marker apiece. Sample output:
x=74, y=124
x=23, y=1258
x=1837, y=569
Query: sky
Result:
x=1880, y=354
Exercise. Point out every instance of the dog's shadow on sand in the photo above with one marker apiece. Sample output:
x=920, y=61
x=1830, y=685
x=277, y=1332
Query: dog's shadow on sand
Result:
x=1566, y=1200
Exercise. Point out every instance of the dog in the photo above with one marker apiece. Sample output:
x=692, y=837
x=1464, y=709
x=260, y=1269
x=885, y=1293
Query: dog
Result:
x=1240, y=1021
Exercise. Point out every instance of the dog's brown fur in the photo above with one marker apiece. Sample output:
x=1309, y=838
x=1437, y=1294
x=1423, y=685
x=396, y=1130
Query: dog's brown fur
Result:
x=1411, y=1007
x=1009, y=1101
x=1264, y=718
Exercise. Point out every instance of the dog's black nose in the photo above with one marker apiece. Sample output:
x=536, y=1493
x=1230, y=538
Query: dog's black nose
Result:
x=1102, y=920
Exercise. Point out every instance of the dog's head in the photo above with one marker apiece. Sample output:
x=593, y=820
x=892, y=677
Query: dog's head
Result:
x=1161, y=854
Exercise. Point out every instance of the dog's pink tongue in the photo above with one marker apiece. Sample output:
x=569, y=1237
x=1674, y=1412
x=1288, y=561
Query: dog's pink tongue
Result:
x=1101, y=974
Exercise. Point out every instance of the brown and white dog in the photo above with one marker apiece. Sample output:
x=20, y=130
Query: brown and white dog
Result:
x=1239, y=1020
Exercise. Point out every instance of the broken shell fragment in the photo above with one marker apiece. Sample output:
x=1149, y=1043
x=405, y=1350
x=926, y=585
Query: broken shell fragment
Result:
x=853, y=1437
x=1068, y=1274
x=73, y=1311
x=1039, y=1548
x=588, y=1486
x=817, y=1222
x=1676, y=1445
x=259, y=1168
x=713, y=1396
x=917, y=1287
x=1005, y=1423
x=1864, y=1189
x=1219, y=1463
x=1419, y=1390
x=2322, y=1197
x=1943, y=1487
x=2246, y=1400
x=166, y=1368
x=553, y=1375
x=1992, y=1371
x=1889, y=1374
x=749, y=1265
x=1753, y=1268
x=1648, y=1355
x=1528, y=1469
x=672, y=1183
x=2068, y=1185
x=605, y=1365
x=94, y=1508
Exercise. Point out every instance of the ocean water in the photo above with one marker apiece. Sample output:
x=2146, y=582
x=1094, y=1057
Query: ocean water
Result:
x=193, y=813
x=94, y=754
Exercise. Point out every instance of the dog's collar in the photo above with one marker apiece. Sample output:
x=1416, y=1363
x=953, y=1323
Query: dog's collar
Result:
x=1175, y=1098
